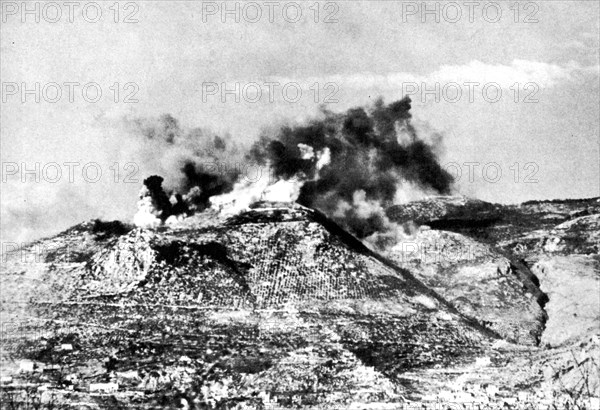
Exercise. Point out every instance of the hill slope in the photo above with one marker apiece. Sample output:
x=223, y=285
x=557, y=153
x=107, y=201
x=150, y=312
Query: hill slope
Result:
x=277, y=304
x=234, y=301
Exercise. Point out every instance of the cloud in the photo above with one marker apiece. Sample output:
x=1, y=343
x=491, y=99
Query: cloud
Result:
x=545, y=75
x=519, y=71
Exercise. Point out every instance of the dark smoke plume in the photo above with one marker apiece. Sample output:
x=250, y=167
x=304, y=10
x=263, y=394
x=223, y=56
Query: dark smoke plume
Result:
x=368, y=163
x=154, y=206
x=158, y=197
x=352, y=166
x=198, y=162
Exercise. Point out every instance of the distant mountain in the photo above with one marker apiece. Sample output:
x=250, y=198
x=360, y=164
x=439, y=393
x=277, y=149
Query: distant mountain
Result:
x=278, y=306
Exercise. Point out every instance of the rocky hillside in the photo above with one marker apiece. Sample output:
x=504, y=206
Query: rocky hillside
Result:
x=550, y=247
x=278, y=307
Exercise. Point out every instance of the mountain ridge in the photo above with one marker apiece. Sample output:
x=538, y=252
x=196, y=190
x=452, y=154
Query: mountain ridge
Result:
x=218, y=311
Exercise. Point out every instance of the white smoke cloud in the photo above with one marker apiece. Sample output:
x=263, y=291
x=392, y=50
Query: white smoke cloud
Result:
x=245, y=193
x=323, y=158
x=148, y=214
x=283, y=191
x=145, y=217
x=306, y=151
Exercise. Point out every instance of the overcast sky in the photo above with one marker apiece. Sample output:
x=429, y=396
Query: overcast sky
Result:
x=541, y=133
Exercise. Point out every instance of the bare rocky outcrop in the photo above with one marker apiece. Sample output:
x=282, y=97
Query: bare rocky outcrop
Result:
x=440, y=212
x=479, y=281
x=572, y=284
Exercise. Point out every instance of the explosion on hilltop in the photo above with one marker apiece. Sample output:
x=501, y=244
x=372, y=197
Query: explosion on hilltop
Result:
x=351, y=166
x=374, y=156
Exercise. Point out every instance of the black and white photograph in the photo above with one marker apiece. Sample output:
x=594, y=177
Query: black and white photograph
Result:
x=300, y=205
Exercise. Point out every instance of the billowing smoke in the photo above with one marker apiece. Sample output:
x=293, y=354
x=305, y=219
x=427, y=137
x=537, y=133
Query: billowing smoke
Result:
x=351, y=166
x=196, y=164
x=154, y=206
x=201, y=169
x=356, y=164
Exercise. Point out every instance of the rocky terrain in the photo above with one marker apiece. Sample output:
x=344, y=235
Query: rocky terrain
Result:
x=278, y=307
